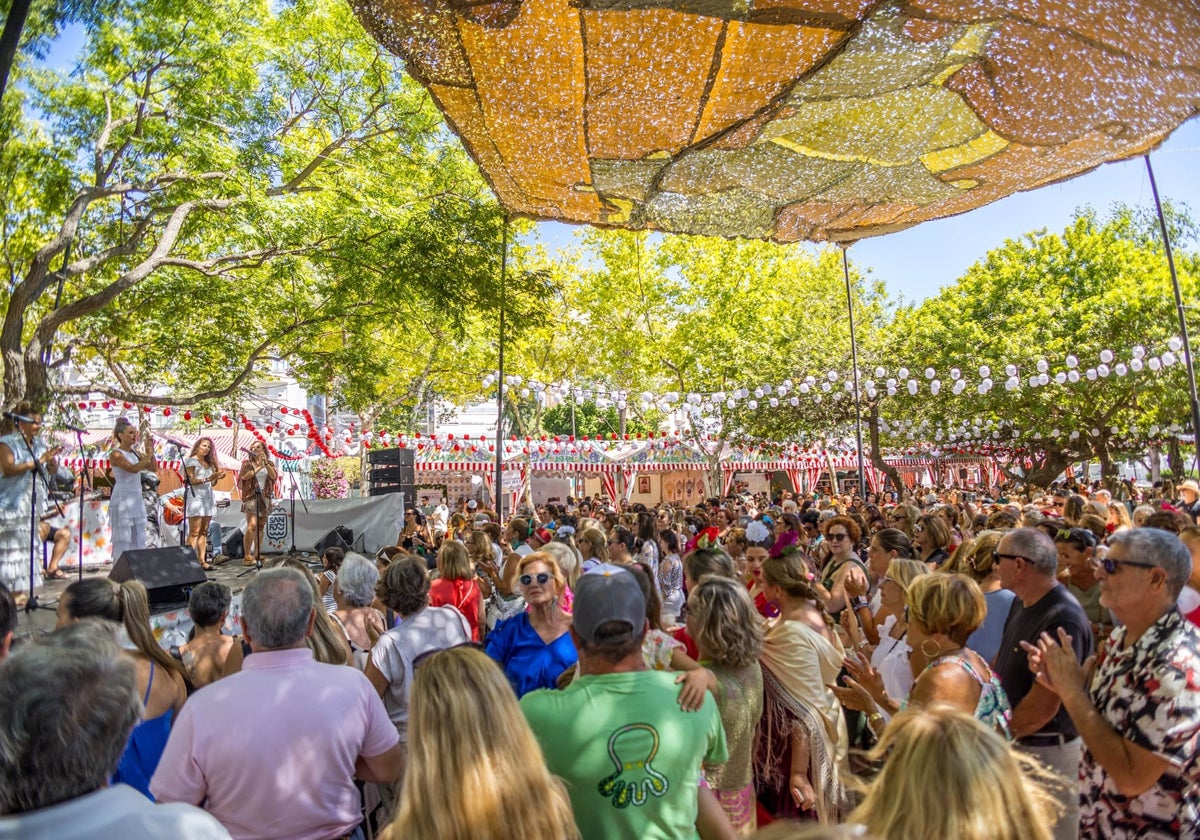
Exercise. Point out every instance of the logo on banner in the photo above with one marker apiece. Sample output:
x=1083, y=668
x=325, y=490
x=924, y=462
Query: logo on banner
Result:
x=277, y=524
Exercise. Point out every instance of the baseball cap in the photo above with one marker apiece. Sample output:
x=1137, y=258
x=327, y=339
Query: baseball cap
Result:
x=542, y=535
x=471, y=505
x=608, y=593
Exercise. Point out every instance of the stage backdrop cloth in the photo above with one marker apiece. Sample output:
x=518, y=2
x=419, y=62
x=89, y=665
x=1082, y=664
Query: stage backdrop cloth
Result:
x=377, y=520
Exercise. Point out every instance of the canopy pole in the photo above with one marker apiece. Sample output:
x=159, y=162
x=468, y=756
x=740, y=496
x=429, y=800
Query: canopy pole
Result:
x=862, y=473
x=1183, y=330
x=500, y=388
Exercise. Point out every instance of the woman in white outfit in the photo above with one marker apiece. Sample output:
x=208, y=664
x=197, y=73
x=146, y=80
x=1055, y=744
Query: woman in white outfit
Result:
x=203, y=471
x=126, y=512
x=21, y=451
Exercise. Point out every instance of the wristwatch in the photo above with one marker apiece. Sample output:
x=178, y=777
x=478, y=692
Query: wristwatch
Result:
x=859, y=602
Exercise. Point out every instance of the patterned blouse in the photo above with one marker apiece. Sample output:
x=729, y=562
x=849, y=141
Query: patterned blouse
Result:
x=1149, y=693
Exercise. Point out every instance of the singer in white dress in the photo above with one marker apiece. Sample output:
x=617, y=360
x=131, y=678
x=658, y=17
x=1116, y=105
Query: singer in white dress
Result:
x=126, y=511
x=203, y=471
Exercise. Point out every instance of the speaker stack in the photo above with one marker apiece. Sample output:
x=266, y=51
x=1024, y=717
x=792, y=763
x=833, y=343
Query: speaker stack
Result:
x=391, y=471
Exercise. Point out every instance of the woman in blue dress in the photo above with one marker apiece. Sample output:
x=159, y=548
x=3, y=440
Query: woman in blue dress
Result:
x=160, y=678
x=535, y=647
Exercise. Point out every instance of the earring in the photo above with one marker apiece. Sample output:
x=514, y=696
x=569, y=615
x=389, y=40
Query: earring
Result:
x=937, y=649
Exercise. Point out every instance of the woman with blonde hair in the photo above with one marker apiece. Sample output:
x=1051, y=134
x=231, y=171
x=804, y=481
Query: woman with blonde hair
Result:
x=534, y=647
x=979, y=563
x=891, y=656
x=456, y=585
x=728, y=633
x=475, y=770
x=985, y=791
x=128, y=605
x=943, y=611
x=593, y=547
x=803, y=739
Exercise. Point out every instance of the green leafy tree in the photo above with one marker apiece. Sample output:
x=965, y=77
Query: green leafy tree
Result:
x=228, y=180
x=1099, y=285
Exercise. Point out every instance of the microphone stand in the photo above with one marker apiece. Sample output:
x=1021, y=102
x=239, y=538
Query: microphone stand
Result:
x=31, y=602
x=84, y=478
x=293, y=490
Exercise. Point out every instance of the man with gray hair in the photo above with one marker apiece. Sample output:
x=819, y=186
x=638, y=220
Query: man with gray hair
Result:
x=273, y=750
x=67, y=705
x=1137, y=705
x=1026, y=561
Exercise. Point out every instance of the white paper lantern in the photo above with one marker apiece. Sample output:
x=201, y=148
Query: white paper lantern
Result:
x=902, y=373
x=930, y=373
x=1103, y=370
x=1072, y=362
x=826, y=387
x=1042, y=366
x=774, y=402
x=934, y=387
x=892, y=383
x=1034, y=381
x=794, y=401
x=1094, y=432
x=1074, y=435
x=880, y=373
x=817, y=398
x=1043, y=378
x=985, y=371
x=912, y=386
x=1106, y=356
x=1091, y=374
x=891, y=391
x=1010, y=385
x=1154, y=364
x=767, y=389
x=1136, y=365
x=1139, y=352
x=730, y=403
x=1056, y=433
x=1168, y=359
x=758, y=392
x=1175, y=343
x=803, y=387
x=832, y=376
x=752, y=405
x=1010, y=370
x=1073, y=376
x=524, y=393
x=1119, y=369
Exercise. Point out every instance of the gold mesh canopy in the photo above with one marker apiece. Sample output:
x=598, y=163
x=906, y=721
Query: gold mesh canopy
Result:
x=793, y=119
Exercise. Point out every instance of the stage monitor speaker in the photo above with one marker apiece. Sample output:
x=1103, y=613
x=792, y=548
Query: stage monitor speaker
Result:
x=392, y=471
x=340, y=537
x=169, y=574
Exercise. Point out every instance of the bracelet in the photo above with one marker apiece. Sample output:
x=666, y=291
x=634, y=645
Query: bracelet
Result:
x=859, y=602
x=873, y=717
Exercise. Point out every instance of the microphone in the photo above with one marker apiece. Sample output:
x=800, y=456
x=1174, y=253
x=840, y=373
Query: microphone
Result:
x=17, y=418
x=77, y=429
x=246, y=449
x=176, y=442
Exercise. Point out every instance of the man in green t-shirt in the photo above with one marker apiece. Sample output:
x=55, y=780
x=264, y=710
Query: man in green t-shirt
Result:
x=628, y=754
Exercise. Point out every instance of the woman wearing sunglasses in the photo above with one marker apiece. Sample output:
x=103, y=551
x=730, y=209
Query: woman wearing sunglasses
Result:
x=1077, y=551
x=535, y=647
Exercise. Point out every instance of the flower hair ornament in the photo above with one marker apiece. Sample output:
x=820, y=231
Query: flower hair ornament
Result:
x=565, y=531
x=708, y=538
x=757, y=533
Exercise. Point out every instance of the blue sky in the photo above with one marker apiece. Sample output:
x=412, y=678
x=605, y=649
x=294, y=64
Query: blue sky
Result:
x=916, y=263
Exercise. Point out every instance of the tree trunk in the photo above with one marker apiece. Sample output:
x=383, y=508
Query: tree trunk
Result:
x=877, y=453
x=1175, y=458
x=10, y=40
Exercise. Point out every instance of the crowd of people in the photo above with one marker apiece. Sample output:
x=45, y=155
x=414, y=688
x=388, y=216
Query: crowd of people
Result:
x=931, y=664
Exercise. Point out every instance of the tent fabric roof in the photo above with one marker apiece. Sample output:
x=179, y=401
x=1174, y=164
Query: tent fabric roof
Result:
x=792, y=119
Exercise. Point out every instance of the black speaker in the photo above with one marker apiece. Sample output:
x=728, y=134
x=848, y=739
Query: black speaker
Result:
x=169, y=574
x=392, y=471
x=340, y=537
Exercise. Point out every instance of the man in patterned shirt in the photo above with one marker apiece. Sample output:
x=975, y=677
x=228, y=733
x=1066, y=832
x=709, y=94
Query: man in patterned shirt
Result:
x=1138, y=709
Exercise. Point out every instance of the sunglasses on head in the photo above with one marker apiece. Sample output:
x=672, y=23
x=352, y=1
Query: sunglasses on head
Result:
x=542, y=579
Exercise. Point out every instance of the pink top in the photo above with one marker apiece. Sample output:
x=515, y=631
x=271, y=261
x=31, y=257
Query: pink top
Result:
x=270, y=751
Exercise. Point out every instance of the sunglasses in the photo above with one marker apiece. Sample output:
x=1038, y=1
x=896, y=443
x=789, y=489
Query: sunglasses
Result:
x=1111, y=566
x=997, y=557
x=542, y=579
x=837, y=537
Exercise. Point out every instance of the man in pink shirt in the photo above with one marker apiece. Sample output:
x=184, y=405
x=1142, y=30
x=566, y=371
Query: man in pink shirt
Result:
x=273, y=750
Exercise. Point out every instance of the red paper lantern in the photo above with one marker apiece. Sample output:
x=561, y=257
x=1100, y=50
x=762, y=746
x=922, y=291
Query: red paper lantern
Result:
x=270, y=428
x=207, y=419
x=187, y=415
x=83, y=406
x=127, y=406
